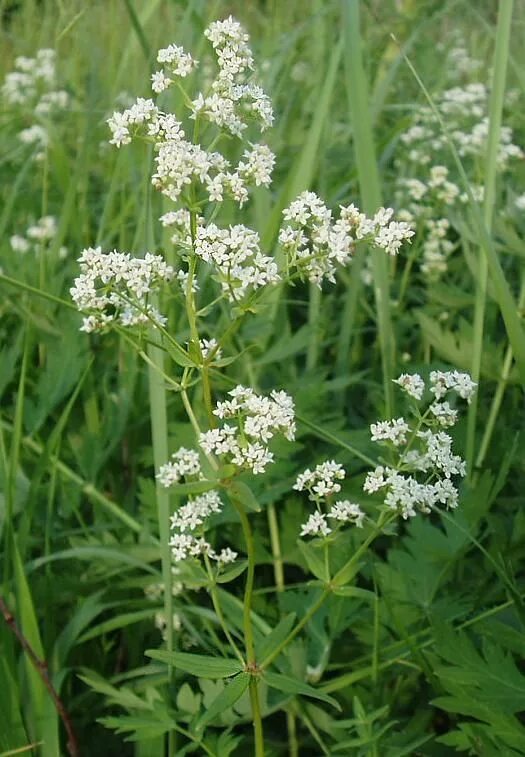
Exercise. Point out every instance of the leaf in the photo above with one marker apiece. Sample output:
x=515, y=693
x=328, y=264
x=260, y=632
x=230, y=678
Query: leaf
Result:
x=198, y=665
x=354, y=591
x=289, y=685
x=231, y=573
x=225, y=699
x=240, y=492
x=277, y=635
x=315, y=563
x=193, y=487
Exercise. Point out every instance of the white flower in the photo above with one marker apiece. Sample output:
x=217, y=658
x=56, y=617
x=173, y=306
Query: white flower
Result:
x=159, y=81
x=445, y=415
x=235, y=254
x=258, y=419
x=183, y=463
x=117, y=285
x=394, y=431
x=442, y=382
x=210, y=349
x=322, y=481
x=412, y=384
x=316, y=525
x=347, y=512
x=19, y=244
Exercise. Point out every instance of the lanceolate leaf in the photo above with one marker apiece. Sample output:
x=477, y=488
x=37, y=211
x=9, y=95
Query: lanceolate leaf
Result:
x=198, y=665
x=279, y=634
x=292, y=686
x=233, y=691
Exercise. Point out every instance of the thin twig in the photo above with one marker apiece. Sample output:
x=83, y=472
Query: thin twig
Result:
x=43, y=672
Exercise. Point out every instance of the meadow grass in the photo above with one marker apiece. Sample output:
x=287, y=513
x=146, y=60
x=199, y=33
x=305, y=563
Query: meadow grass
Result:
x=404, y=637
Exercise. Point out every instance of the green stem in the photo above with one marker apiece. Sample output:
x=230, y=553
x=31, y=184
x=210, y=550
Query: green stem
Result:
x=501, y=55
x=248, y=629
x=218, y=611
x=336, y=581
x=275, y=542
x=498, y=395
x=369, y=183
x=257, y=720
x=159, y=433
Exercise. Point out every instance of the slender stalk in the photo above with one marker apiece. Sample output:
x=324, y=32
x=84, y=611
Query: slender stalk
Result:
x=498, y=395
x=248, y=629
x=382, y=521
x=275, y=541
x=43, y=671
x=218, y=611
x=501, y=55
x=159, y=433
x=314, y=313
x=369, y=184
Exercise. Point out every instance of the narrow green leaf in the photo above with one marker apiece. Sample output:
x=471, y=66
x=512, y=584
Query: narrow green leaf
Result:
x=241, y=492
x=193, y=487
x=314, y=561
x=292, y=686
x=232, y=692
x=198, y=665
x=232, y=572
x=278, y=634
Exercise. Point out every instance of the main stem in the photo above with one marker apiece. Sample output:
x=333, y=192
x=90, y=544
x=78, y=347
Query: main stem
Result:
x=248, y=630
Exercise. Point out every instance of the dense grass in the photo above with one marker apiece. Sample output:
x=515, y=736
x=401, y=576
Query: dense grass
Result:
x=423, y=652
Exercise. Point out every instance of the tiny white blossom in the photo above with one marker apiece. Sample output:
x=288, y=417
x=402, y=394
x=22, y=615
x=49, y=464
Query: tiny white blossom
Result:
x=316, y=525
x=412, y=384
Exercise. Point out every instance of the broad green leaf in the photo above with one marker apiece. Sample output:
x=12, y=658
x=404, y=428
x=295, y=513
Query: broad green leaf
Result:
x=232, y=692
x=289, y=685
x=198, y=665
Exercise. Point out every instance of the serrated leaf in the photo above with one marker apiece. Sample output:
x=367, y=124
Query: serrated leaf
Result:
x=225, y=699
x=289, y=685
x=198, y=665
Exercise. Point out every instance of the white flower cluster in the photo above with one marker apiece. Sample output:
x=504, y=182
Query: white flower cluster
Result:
x=315, y=244
x=343, y=511
x=188, y=524
x=37, y=237
x=255, y=419
x=464, y=109
x=31, y=87
x=236, y=256
x=322, y=483
x=114, y=287
x=176, y=62
x=427, y=192
x=421, y=447
x=232, y=98
x=231, y=101
x=184, y=463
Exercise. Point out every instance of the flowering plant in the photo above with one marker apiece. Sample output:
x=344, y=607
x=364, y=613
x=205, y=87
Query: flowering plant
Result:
x=226, y=268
